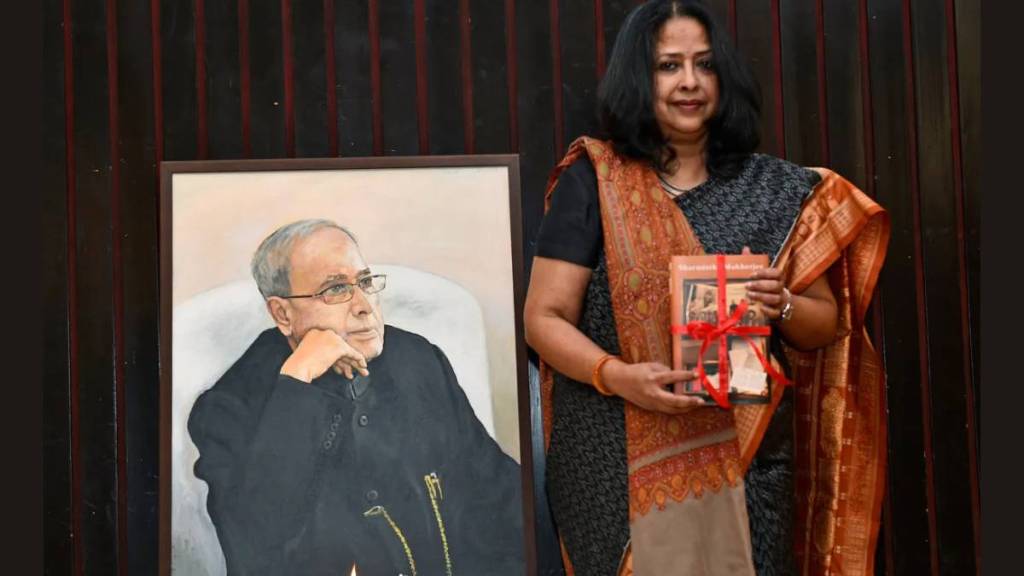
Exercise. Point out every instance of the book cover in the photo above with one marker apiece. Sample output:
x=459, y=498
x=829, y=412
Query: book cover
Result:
x=695, y=298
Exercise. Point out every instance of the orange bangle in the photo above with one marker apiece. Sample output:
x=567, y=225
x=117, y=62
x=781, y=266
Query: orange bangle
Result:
x=595, y=376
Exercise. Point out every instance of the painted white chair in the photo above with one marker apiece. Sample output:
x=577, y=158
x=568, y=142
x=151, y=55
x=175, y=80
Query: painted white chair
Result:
x=212, y=329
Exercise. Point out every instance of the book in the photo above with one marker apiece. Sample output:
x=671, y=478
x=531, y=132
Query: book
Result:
x=695, y=298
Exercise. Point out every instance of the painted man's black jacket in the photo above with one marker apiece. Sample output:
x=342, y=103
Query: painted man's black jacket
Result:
x=392, y=473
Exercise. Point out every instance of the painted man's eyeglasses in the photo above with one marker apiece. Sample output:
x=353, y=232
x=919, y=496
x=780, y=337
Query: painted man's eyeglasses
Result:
x=343, y=291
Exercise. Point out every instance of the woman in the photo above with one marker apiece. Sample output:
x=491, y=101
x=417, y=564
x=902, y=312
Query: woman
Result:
x=640, y=477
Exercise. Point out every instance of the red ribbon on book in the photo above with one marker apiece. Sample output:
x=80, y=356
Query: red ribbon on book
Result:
x=728, y=325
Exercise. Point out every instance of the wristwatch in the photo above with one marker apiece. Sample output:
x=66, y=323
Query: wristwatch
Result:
x=787, y=309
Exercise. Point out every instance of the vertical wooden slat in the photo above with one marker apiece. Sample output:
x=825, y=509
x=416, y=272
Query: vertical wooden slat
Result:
x=94, y=277
x=800, y=71
x=445, y=79
x=202, y=138
x=166, y=375
x=266, y=65
x=288, y=76
x=777, y=80
x=466, y=61
x=74, y=392
x=358, y=100
x=178, y=81
x=732, y=21
x=556, y=79
x=867, y=111
x=223, y=77
x=613, y=15
x=422, y=95
x=755, y=42
x=962, y=266
x=512, y=71
x=578, y=64
x=967, y=20
x=819, y=14
x=885, y=557
x=57, y=526
x=312, y=128
x=919, y=282
x=113, y=140
x=373, y=17
x=138, y=279
x=843, y=120
x=156, y=46
x=720, y=12
x=961, y=241
x=331, y=78
x=245, y=77
x=906, y=500
x=288, y=73
x=156, y=42
x=403, y=103
x=968, y=31
x=489, y=75
x=945, y=285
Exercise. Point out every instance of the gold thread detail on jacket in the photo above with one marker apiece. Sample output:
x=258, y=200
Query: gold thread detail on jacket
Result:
x=434, y=488
x=380, y=511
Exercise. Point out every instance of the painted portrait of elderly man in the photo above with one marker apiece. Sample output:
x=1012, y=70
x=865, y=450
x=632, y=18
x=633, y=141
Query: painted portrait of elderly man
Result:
x=345, y=373
x=338, y=440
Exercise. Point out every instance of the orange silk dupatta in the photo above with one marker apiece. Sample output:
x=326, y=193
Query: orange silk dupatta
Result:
x=686, y=505
x=840, y=400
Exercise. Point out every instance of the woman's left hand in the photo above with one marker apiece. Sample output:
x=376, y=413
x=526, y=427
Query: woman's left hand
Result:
x=813, y=316
x=768, y=288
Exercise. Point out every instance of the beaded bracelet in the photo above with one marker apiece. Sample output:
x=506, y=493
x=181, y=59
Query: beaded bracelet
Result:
x=595, y=376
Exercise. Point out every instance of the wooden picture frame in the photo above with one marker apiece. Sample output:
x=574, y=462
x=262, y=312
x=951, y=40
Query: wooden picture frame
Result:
x=447, y=231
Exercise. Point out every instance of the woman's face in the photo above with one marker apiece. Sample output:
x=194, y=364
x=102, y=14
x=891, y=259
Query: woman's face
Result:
x=685, y=83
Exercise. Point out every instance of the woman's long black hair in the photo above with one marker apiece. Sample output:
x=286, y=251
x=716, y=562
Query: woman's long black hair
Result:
x=626, y=99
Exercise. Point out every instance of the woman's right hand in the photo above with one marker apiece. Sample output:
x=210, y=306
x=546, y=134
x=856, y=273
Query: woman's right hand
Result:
x=646, y=384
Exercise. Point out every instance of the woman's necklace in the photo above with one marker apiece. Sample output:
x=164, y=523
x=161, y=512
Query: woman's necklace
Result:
x=673, y=191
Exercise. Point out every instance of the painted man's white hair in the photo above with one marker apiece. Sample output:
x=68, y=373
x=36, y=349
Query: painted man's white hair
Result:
x=271, y=264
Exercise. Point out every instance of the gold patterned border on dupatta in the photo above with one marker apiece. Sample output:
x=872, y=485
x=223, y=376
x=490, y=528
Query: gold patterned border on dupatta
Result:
x=840, y=398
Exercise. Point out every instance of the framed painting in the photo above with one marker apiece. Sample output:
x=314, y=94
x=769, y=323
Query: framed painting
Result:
x=343, y=371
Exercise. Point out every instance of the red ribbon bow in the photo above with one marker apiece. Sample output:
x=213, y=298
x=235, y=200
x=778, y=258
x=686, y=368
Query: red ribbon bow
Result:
x=728, y=325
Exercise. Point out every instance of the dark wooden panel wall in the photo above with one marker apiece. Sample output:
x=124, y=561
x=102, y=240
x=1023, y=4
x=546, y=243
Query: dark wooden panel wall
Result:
x=886, y=92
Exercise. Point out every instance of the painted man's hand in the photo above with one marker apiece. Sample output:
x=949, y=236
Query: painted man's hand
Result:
x=320, y=350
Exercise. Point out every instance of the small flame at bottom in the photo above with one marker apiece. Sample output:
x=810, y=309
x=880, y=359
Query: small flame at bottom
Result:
x=353, y=572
